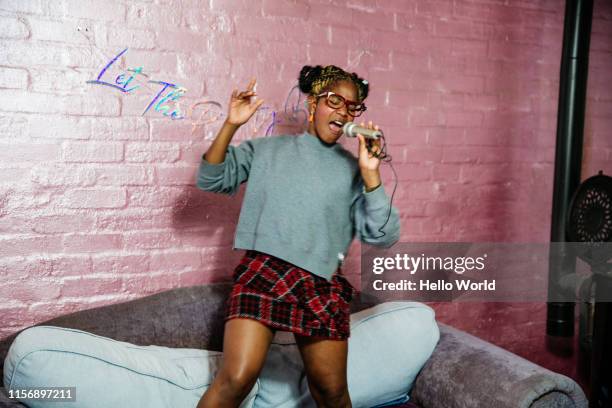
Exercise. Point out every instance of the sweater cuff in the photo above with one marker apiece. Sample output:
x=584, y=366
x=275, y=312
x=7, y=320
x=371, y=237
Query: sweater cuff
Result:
x=211, y=170
x=376, y=198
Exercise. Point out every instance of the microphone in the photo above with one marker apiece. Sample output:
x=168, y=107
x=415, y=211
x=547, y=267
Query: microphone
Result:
x=351, y=129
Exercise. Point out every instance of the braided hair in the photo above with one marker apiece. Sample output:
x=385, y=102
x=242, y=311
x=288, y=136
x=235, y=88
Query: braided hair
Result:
x=315, y=80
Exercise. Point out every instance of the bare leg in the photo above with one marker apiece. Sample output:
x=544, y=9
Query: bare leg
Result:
x=245, y=346
x=325, y=364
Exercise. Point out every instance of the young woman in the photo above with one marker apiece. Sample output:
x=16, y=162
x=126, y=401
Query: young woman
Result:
x=305, y=200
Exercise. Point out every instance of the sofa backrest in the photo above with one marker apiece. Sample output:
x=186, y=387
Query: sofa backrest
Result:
x=190, y=317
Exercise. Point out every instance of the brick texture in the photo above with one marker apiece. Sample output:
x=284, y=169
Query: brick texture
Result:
x=97, y=203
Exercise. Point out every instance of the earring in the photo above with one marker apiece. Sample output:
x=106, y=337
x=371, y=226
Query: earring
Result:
x=311, y=117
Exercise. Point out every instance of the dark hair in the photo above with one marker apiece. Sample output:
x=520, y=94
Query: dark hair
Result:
x=317, y=79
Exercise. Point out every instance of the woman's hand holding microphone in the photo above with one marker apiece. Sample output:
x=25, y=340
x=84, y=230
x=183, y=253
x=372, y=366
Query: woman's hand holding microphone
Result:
x=369, y=163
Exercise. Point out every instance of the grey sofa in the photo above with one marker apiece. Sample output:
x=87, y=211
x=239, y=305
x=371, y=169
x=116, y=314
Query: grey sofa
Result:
x=463, y=371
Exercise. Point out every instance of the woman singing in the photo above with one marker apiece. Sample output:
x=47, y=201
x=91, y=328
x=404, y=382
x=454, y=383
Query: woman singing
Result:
x=305, y=200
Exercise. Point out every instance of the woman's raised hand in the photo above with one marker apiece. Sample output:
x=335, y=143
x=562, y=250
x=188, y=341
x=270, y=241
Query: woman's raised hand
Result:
x=240, y=107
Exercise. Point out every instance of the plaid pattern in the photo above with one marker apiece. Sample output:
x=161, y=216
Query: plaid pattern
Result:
x=288, y=298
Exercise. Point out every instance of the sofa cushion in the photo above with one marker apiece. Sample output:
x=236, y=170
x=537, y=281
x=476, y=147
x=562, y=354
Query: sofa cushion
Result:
x=388, y=346
x=282, y=381
x=110, y=373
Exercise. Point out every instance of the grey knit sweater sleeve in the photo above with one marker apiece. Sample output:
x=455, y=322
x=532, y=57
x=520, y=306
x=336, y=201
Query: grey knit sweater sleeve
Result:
x=376, y=222
x=227, y=176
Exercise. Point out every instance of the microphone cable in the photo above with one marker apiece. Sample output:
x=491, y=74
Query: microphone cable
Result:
x=385, y=158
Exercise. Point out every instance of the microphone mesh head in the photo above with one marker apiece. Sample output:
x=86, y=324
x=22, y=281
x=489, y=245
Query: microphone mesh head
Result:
x=347, y=129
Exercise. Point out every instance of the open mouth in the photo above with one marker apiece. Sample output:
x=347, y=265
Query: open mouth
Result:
x=336, y=126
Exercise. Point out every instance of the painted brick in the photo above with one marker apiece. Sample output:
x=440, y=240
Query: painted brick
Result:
x=15, y=224
x=53, y=224
x=36, y=54
x=13, y=126
x=120, y=264
x=330, y=14
x=196, y=277
x=379, y=20
x=405, y=62
x=29, y=102
x=133, y=129
x=13, y=78
x=133, y=219
x=421, y=154
x=180, y=41
x=433, y=8
x=57, y=31
x=461, y=29
x=441, y=172
x=109, y=105
x=149, y=284
x=31, y=290
x=175, y=261
x=176, y=175
x=464, y=119
x=409, y=171
x=19, y=245
x=286, y=8
x=267, y=30
x=92, y=152
x=234, y=7
x=22, y=152
x=87, y=286
x=111, y=11
x=94, y=198
x=163, y=129
x=26, y=7
x=63, y=127
x=58, y=175
x=97, y=192
x=461, y=47
x=154, y=197
x=151, y=152
x=23, y=199
x=91, y=242
x=149, y=240
x=13, y=28
x=123, y=176
x=137, y=39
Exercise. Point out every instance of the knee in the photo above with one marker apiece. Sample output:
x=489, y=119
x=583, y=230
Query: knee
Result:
x=331, y=394
x=237, y=383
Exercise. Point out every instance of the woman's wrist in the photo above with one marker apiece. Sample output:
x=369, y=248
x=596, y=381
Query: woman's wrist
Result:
x=371, y=180
x=368, y=190
x=230, y=125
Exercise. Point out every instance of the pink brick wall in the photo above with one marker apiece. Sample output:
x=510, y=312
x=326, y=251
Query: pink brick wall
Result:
x=97, y=203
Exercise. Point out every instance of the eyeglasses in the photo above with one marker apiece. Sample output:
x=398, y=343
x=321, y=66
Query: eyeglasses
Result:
x=336, y=101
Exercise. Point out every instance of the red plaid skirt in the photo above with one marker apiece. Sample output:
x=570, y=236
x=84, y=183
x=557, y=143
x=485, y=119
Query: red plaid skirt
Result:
x=285, y=297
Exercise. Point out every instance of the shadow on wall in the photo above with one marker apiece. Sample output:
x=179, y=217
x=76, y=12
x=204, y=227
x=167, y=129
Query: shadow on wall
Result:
x=209, y=220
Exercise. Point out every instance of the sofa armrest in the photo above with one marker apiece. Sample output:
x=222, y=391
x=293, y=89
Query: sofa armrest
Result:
x=465, y=371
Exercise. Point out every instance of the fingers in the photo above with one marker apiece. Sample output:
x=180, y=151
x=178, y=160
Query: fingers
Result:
x=257, y=104
x=245, y=94
x=362, y=144
x=250, y=91
x=251, y=85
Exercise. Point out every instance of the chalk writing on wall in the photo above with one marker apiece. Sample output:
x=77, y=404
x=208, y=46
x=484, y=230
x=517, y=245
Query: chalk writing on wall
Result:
x=204, y=112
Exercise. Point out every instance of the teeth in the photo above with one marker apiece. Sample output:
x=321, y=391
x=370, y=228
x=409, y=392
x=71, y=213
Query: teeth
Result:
x=338, y=123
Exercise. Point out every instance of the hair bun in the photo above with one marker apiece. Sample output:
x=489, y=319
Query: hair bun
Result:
x=307, y=75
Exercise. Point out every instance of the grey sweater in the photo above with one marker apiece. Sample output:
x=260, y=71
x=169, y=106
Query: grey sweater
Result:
x=305, y=200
